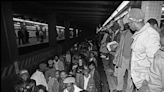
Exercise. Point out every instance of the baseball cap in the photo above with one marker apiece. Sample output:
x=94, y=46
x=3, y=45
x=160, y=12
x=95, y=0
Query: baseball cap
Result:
x=69, y=80
x=136, y=15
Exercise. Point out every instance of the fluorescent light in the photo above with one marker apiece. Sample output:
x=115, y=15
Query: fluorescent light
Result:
x=22, y=20
x=121, y=6
x=162, y=8
x=60, y=27
x=70, y=28
x=36, y=23
x=120, y=16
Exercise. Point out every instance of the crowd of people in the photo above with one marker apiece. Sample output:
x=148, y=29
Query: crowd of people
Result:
x=137, y=49
x=127, y=47
x=74, y=71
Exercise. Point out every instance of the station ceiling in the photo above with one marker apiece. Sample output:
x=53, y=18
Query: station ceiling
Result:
x=80, y=13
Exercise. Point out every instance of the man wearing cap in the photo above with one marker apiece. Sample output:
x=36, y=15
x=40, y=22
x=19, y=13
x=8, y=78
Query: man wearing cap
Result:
x=146, y=42
x=70, y=85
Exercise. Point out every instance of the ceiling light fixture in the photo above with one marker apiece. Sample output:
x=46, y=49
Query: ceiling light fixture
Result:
x=123, y=14
x=121, y=6
x=36, y=23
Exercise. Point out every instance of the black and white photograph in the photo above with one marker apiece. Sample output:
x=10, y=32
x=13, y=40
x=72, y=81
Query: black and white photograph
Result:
x=82, y=46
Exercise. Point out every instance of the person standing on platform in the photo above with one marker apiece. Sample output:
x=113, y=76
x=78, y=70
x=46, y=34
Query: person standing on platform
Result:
x=153, y=22
x=123, y=56
x=39, y=77
x=37, y=34
x=146, y=42
x=156, y=83
x=20, y=37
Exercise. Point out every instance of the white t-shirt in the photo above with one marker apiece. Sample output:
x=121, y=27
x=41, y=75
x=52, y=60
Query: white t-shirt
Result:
x=56, y=65
x=39, y=78
x=86, y=80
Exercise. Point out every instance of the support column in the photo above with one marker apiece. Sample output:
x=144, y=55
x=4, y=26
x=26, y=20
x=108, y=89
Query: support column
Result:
x=152, y=9
x=52, y=29
x=67, y=25
x=9, y=48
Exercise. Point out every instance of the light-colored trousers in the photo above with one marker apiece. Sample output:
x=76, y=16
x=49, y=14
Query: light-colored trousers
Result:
x=121, y=73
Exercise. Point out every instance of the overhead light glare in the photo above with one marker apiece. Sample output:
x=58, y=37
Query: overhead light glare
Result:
x=121, y=6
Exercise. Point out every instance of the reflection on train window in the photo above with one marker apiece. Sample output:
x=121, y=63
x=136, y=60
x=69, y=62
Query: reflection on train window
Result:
x=60, y=32
x=30, y=32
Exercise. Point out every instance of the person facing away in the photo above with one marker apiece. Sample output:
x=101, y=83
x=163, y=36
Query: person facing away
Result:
x=153, y=22
x=146, y=42
x=41, y=88
x=39, y=77
x=156, y=83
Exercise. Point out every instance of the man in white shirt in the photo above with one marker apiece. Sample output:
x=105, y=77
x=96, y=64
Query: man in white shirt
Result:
x=145, y=44
x=39, y=77
x=70, y=85
x=87, y=76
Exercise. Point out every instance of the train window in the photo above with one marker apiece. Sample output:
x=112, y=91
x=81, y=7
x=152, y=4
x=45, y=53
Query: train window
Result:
x=29, y=34
x=60, y=32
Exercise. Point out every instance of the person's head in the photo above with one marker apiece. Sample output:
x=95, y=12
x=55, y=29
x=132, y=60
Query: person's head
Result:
x=56, y=58
x=24, y=75
x=69, y=81
x=162, y=37
x=126, y=26
x=50, y=63
x=32, y=83
x=61, y=58
x=153, y=22
x=57, y=74
x=115, y=26
x=43, y=67
x=91, y=54
x=68, y=52
x=92, y=65
x=86, y=72
x=80, y=62
x=136, y=19
x=121, y=24
x=113, y=46
x=41, y=88
x=63, y=75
